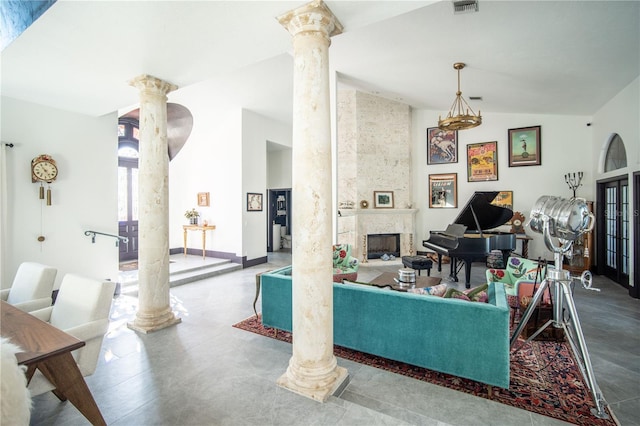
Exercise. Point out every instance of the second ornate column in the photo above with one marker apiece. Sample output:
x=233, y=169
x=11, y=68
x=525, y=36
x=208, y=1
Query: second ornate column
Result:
x=313, y=371
x=154, y=310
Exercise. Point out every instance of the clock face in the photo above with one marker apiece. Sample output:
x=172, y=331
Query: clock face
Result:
x=45, y=171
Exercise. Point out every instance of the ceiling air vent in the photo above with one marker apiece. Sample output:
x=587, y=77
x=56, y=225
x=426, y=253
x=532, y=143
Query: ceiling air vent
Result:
x=465, y=6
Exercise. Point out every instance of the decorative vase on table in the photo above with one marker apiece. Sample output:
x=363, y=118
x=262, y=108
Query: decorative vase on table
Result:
x=193, y=220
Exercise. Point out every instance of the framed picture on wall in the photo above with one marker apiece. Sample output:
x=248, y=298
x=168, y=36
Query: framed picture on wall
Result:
x=254, y=202
x=203, y=199
x=524, y=146
x=482, y=161
x=383, y=199
x=443, y=191
x=442, y=146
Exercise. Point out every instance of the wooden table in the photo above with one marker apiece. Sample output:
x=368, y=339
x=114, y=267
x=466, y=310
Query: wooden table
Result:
x=387, y=280
x=48, y=349
x=525, y=244
x=204, y=229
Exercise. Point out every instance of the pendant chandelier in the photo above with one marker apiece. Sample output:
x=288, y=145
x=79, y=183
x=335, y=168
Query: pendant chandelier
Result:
x=460, y=116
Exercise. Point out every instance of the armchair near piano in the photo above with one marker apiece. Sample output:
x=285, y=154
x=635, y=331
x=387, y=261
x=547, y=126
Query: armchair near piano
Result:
x=468, y=238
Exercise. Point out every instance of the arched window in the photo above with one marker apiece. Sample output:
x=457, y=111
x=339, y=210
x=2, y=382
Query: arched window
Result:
x=128, y=138
x=616, y=157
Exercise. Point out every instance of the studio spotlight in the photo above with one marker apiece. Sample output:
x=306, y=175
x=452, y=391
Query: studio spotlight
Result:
x=566, y=220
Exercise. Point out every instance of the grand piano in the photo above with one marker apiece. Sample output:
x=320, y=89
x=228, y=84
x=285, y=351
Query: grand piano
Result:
x=466, y=239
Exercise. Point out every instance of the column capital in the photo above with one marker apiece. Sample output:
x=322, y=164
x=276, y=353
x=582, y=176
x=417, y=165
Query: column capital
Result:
x=312, y=17
x=153, y=85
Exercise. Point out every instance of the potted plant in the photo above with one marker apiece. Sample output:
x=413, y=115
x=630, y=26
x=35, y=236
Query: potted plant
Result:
x=192, y=215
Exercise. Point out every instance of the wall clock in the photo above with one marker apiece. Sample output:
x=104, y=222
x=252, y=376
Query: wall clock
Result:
x=44, y=169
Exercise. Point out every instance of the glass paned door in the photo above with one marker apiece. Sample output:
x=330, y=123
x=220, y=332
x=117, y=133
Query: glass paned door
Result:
x=128, y=207
x=614, y=236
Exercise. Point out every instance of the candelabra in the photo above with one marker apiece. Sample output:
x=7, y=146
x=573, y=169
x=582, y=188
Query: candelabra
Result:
x=573, y=181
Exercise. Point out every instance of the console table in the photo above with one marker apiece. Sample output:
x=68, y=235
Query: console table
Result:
x=204, y=229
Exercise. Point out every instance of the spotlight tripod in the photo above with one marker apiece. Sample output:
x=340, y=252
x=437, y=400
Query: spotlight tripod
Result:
x=561, y=279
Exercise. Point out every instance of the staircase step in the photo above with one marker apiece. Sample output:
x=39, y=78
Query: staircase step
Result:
x=181, y=274
x=191, y=275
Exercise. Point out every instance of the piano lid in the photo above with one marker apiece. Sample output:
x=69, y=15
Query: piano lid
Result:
x=488, y=215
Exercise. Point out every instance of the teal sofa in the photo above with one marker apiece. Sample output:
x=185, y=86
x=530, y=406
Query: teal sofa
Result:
x=465, y=339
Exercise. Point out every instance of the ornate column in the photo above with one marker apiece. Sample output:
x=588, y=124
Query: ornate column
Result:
x=313, y=370
x=154, y=310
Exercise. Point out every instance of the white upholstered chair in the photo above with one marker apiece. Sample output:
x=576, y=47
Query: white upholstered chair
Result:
x=82, y=310
x=31, y=288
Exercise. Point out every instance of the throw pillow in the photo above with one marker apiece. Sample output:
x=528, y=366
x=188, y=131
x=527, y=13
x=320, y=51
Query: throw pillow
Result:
x=436, y=290
x=478, y=294
x=454, y=293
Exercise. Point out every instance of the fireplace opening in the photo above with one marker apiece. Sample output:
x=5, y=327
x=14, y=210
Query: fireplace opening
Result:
x=380, y=244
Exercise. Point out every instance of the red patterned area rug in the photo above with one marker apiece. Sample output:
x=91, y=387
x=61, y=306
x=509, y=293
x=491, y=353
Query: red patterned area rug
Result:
x=545, y=377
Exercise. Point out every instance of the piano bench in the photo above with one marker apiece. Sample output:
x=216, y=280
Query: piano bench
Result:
x=418, y=263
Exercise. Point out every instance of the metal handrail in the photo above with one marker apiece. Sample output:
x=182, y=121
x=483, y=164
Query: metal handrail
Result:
x=93, y=234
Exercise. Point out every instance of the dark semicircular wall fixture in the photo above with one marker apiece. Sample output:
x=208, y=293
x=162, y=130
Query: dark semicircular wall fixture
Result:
x=179, y=126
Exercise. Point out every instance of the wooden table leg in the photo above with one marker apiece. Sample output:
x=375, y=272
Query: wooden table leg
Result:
x=185, y=241
x=204, y=242
x=63, y=372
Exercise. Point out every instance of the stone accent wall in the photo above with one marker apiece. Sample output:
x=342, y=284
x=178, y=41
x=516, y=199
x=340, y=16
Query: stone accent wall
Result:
x=374, y=154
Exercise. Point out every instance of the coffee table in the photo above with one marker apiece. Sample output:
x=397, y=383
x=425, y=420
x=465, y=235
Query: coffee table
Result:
x=387, y=280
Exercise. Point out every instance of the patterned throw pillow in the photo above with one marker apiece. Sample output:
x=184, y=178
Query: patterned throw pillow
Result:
x=436, y=290
x=476, y=294
x=454, y=293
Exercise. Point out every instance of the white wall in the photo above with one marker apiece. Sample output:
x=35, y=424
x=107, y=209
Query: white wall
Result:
x=256, y=131
x=619, y=115
x=210, y=161
x=565, y=147
x=279, y=169
x=84, y=195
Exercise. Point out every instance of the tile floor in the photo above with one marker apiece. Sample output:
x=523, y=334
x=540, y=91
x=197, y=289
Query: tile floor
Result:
x=205, y=372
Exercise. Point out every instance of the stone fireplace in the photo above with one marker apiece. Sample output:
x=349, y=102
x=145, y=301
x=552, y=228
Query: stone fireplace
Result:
x=374, y=154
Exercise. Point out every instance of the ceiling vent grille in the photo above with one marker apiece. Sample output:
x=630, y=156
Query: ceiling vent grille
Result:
x=465, y=6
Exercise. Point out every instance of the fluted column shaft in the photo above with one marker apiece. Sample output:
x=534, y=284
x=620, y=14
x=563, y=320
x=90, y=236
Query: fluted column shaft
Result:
x=313, y=370
x=154, y=310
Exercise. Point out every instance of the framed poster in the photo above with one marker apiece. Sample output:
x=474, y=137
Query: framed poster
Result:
x=504, y=199
x=443, y=191
x=254, y=202
x=383, y=199
x=203, y=199
x=482, y=161
x=524, y=146
x=442, y=146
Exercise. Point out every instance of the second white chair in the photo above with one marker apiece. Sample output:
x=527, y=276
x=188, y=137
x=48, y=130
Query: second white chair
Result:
x=82, y=310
